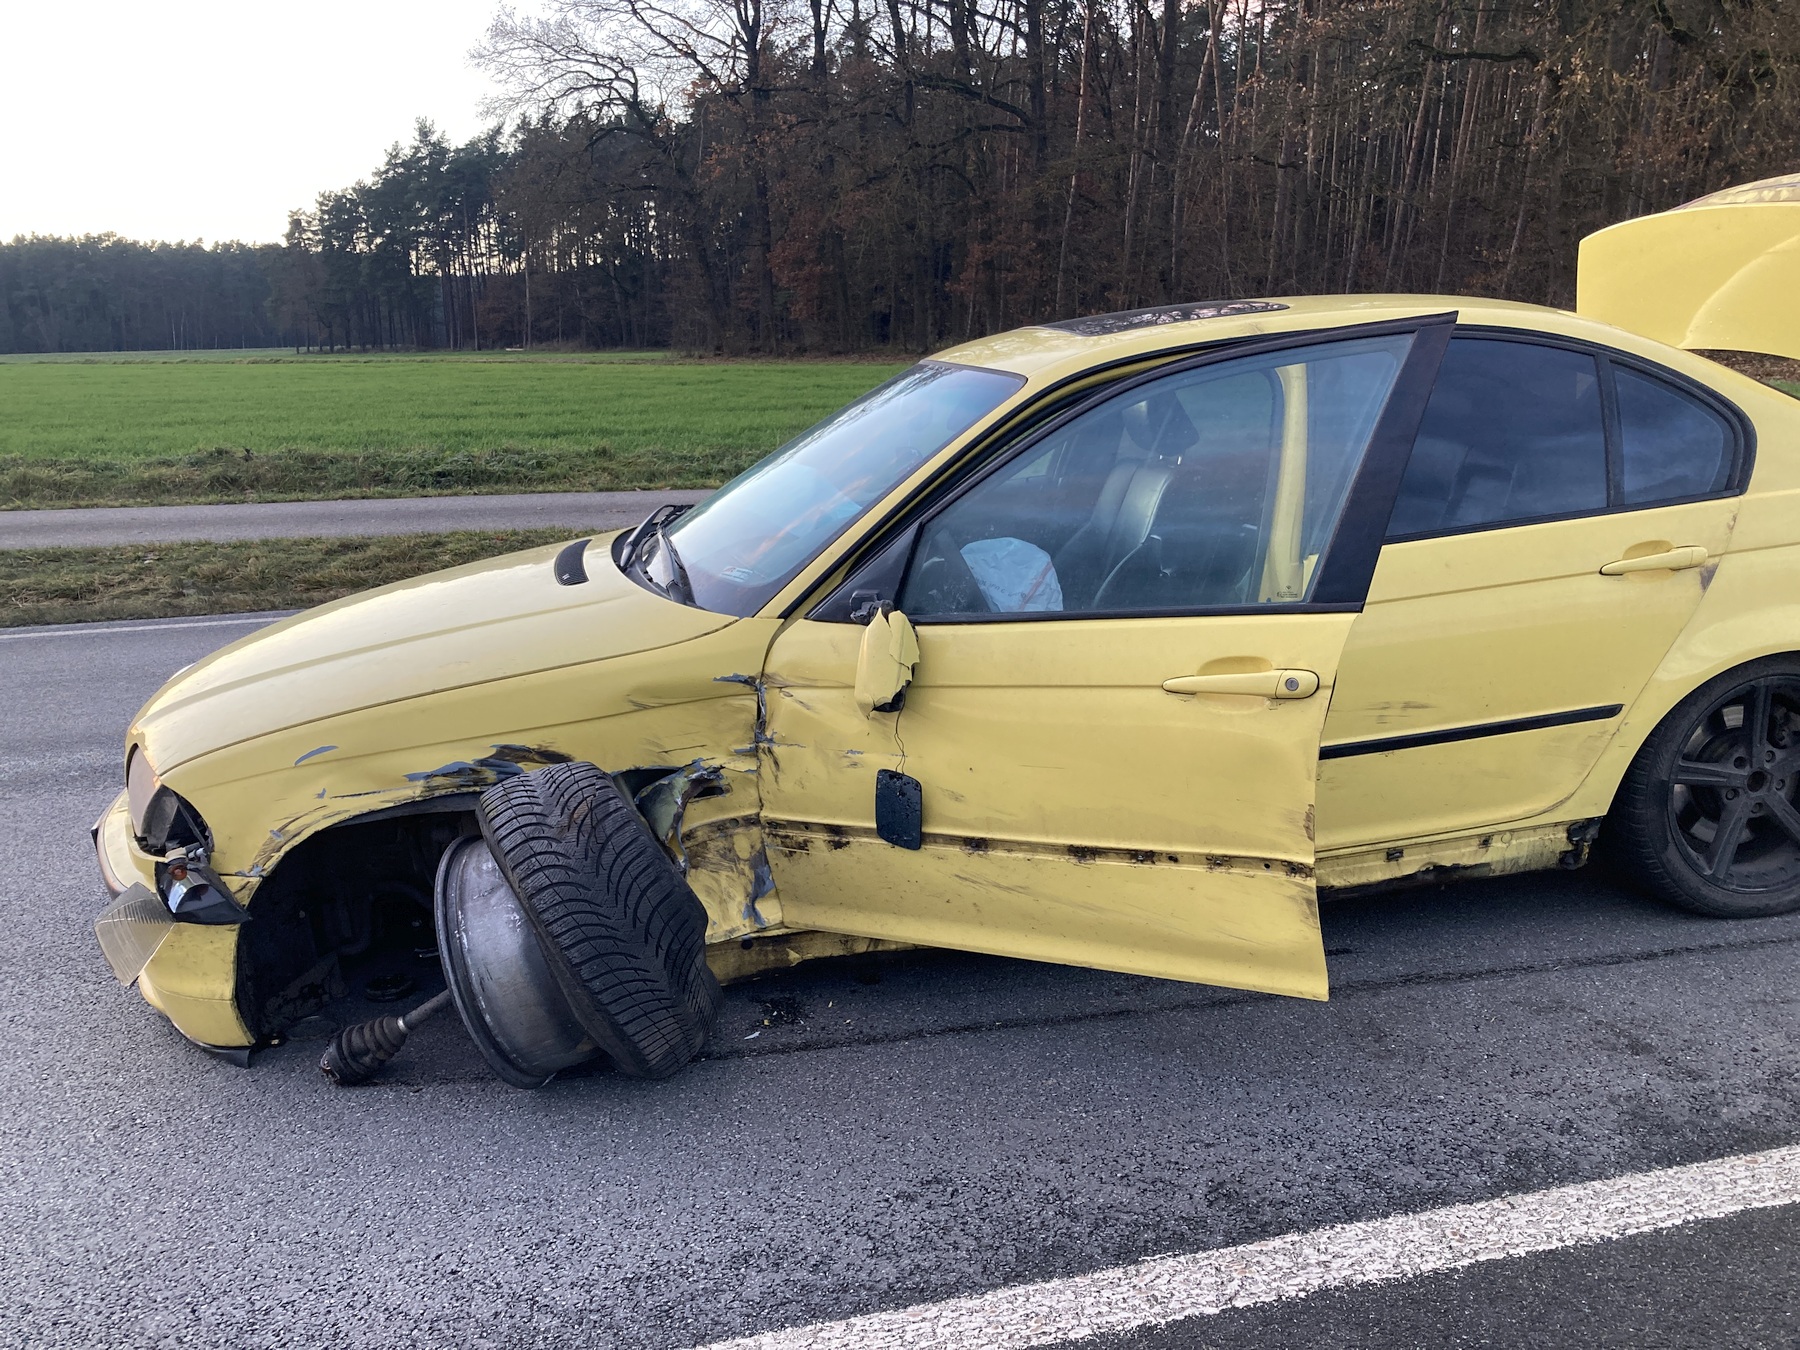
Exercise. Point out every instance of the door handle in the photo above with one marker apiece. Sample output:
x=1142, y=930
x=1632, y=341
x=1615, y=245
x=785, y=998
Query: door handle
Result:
x=1256, y=683
x=1674, y=560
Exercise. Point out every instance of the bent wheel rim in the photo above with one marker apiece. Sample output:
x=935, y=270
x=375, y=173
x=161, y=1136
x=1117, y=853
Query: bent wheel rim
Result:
x=1730, y=795
x=498, y=979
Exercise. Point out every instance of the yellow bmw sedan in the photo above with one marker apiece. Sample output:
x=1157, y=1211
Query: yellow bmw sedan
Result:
x=1110, y=642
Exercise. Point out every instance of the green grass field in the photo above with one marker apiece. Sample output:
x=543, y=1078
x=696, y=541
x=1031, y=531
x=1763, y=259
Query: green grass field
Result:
x=128, y=428
x=188, y=427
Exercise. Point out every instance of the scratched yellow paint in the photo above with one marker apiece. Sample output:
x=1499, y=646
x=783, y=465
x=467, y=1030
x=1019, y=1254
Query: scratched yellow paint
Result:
x=1073, y=810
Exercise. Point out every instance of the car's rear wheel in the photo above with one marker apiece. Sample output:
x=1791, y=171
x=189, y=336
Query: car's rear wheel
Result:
x=1707, y=815
x=624, y=933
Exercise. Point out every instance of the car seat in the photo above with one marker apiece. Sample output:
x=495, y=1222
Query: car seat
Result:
x=1157, y=433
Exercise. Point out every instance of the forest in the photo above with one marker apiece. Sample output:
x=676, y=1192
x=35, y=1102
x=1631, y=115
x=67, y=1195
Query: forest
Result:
x=822, y=176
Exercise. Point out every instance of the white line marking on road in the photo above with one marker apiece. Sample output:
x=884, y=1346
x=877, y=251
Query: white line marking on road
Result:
x=146, y=626
x=1173, y=1288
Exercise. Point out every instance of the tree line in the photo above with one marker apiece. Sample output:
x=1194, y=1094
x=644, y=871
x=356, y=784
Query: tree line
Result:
x=104, y=293
x=839, y=175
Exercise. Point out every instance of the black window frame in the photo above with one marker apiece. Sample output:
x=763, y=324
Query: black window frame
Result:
x=1742, y=429
x=1347, y=564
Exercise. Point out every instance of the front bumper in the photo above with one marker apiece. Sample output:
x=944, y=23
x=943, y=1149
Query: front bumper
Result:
x=192, y=978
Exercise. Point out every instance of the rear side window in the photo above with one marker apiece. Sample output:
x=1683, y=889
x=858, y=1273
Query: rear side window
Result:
x=1672, y=446
x=1513, y=432
x=1518, y=431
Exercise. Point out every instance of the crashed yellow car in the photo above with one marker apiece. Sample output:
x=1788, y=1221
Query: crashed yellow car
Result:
x=1109, y=642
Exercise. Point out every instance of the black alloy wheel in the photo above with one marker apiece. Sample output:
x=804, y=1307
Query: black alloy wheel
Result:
x=1709, y=814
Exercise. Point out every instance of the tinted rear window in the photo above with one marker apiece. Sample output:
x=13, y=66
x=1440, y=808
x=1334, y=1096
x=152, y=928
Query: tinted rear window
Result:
x=1671, y=445
x=1513, y=432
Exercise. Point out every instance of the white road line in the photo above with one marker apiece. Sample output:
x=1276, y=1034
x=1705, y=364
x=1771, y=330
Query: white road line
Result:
x=145, y=626
x=1173, y=1288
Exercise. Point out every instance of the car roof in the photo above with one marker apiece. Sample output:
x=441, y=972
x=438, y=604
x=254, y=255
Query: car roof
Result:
x=1047, y=354
x=1053, y=351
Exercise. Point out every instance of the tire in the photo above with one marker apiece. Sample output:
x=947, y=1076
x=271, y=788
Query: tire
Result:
x=624, y=933
x=1706, y=817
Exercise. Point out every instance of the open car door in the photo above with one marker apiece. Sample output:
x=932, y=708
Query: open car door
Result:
x=1070, y=708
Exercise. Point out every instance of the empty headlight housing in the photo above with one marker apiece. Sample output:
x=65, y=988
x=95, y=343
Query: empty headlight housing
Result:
x=160, y=819
x=170, y=829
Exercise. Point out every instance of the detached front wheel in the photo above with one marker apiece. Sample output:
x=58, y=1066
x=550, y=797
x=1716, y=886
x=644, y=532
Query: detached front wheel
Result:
x=1707, y=816
x=622, y=933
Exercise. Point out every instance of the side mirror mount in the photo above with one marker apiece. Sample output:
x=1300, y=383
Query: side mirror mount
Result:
x=884, y=665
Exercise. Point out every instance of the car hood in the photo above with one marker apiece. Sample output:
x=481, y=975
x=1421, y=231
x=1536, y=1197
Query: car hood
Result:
x=486, y=621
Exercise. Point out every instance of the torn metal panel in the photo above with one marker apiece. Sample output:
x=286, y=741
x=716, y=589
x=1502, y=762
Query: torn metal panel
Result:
x=760, y=733
x=506, y=761
x=664, y=803
x=1492, y=853
x=728, y=868
x=744, y=958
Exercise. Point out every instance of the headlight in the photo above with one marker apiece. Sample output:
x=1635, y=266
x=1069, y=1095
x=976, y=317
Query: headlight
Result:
x=160, y=819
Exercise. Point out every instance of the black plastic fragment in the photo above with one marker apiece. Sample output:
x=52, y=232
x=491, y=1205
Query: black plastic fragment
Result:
x=570, y=567
x=897, y=809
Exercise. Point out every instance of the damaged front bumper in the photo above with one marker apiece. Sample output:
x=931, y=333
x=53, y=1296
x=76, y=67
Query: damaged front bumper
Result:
x=190, y=975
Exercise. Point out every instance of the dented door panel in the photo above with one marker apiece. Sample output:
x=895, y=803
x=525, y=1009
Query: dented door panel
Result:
x=1073, y=810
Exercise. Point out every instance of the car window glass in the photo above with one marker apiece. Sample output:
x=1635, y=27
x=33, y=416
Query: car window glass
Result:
x=1513, y=432
x=1215, y=487
x=1671, y=446
x=747, y=540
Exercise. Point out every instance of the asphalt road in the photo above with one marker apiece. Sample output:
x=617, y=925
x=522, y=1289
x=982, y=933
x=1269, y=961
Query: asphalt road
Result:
x=922, y=1127
x=82, y=527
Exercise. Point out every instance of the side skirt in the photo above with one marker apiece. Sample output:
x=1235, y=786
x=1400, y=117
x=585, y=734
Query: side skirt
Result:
x=1493, y=853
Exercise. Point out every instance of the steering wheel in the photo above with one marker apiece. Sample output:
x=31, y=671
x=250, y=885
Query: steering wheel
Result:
x=940, y=581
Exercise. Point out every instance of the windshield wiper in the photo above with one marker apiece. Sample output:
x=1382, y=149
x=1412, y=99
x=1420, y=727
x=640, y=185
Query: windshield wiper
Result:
x=662, y=515
x=678, y=573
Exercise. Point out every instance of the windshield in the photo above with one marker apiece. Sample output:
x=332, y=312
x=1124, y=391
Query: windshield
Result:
x=745, y=542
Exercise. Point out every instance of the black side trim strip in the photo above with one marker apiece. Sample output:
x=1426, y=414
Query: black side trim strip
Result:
x=1344, y=749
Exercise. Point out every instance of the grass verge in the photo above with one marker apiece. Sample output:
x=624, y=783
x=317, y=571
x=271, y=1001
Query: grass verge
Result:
x=159, y=581
x=1780, y=371
x=124, y=433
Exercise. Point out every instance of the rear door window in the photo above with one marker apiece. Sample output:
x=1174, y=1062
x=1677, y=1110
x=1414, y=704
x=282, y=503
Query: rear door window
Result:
x=1518, y=431
x=1513, y=432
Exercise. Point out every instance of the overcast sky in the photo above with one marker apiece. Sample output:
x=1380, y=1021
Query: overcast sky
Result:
x=212, y=119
